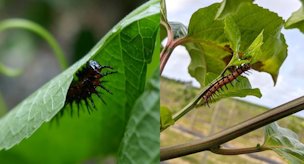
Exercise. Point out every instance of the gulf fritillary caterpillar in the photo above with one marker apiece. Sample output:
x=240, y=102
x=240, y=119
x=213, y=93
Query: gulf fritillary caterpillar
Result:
x=87, y=80
x=223, y=81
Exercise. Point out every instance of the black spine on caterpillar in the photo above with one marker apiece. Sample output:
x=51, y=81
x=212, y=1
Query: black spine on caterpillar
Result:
x=207, y=95
x=82, y=88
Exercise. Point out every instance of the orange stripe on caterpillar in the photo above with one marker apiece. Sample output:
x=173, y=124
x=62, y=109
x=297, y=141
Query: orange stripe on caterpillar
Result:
x=207, y=95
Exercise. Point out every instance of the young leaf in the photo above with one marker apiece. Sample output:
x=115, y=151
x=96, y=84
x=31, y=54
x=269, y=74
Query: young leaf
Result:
x=296, y=20
x=128, y=47
x=232, y=33
x=284, y=142
x=179, y=29
x=254, y=50
x=165, y=117
x=141, y=139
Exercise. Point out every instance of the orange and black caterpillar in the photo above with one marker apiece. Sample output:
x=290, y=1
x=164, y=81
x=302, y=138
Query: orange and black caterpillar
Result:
x=85, y=85
x=223, y=81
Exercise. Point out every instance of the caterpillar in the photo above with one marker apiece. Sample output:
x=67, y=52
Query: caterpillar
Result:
x=85, y=85
x=223, y=81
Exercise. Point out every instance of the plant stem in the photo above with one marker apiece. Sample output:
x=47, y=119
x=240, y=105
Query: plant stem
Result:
x=187, y=108
x=239, y=151
x=167, y=50
x=233, y=132
x=31, y=26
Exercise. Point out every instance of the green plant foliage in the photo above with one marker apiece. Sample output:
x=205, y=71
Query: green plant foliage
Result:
x=128, y=48
x=284, y=142
x=141, y=139
x=296, y=20
x=163, y=10
x=179, y=29
x=274, y=48
x=254, y=50
x=208, y=51
x=228, y=6
x=163, y=18
x=236, y=38
x=232, y=33
x=154, y=65
x=165, y=117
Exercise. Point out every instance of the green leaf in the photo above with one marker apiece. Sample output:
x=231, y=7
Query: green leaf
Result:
x=154, y=65
x=163, y=10
x=197, y=67
x=165, y=117
x=296, y=20
x=128, y=48
x=208, y=51
x=254, y=50
x=179, y=29
x=208, y=35
x=232, y=33
x=284, y=142
x=215, y=41
x=229, y=6
x=209, y=29
x=274, y=48
x=141, y=139
x=163, y=20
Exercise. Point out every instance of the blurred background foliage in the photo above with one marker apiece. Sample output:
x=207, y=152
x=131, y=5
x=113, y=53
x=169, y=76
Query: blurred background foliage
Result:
x=76, y=24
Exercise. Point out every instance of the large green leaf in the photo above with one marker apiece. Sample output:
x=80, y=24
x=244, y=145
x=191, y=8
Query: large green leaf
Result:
x=274, y=48
x=245, y=33
x=284, y=142
x=228, y=6
x=128, y=47
x=141, y=139
x=296, y=20
x=207, y=51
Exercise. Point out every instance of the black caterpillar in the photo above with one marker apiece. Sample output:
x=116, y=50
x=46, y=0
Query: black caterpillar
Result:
x=85, y=85
x=207, y=95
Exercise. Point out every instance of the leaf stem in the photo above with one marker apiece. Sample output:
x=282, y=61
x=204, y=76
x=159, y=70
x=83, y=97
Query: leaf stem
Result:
x=31, y=26
x=170, y=45
x=167, y=50
x=233, y=132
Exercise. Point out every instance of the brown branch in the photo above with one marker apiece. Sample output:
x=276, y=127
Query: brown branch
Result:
x=233, y=132
x=239, y=151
